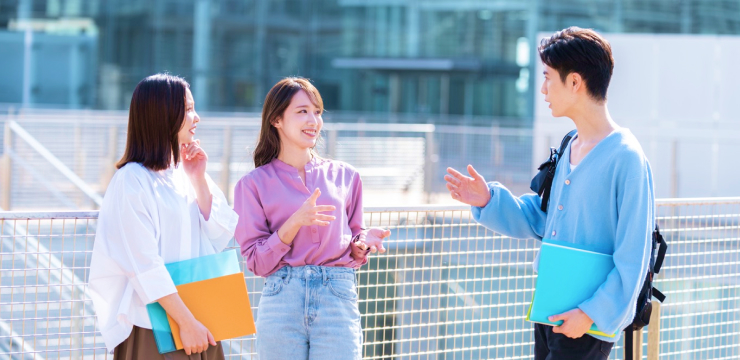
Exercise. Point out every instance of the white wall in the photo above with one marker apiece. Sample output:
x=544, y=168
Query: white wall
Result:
x=679, y=94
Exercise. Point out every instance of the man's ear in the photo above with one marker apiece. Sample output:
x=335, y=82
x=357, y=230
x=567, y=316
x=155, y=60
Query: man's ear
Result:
x=575, y=82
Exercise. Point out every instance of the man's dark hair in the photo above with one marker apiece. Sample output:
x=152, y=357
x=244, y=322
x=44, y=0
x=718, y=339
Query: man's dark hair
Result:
x=154, y=120
x=581, y=51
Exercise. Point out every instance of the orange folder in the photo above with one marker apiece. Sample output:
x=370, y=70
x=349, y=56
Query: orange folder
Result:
x=221, y=304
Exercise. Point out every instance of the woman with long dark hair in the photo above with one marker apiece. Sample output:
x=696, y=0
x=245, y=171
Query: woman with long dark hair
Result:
x=160, y=207
x=301, y=227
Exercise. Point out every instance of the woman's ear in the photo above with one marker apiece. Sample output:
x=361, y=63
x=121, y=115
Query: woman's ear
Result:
x=277, y=123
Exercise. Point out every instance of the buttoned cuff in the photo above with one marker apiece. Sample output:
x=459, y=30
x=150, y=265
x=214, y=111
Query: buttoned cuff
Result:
x=277, y=245
x=357, y=264
x=153, y=284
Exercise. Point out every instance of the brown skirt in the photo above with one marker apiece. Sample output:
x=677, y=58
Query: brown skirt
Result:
x=140, y=345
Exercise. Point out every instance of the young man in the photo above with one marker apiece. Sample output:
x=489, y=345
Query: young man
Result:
x=601, y=198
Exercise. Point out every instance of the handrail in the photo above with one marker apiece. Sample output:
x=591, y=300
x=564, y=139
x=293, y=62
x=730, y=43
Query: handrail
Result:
x=55, y=162
x=698, y=201
x=21, y=215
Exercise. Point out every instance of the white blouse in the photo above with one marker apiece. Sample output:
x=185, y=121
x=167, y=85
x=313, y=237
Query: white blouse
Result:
x=148, y=219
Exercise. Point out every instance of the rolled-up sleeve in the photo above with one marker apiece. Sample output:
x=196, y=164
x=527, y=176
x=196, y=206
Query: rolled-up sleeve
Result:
x=262, y=249
x=356, y=264
x=221, y=224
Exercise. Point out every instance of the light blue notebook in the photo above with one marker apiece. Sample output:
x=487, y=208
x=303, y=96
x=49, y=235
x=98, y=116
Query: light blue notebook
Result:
x=567, y=276
x=183, y=272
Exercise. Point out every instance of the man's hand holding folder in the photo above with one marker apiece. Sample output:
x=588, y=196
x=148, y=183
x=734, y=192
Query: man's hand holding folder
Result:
x=575, y=323
x=567, y=276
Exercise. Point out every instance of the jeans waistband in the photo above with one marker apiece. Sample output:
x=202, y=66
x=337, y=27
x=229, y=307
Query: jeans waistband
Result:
x=309, y=272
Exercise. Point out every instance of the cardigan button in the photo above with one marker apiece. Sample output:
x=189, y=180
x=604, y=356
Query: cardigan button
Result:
x=560, y=207
x=553, y=233
x=567, y=182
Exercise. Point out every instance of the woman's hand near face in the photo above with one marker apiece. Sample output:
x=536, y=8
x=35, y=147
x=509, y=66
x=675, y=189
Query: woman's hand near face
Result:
x=194, y=160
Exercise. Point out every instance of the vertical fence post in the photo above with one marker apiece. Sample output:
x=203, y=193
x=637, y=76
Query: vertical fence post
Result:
x=498, y=147
x=674, y=169
x=429, y=168
x=79, y=162
x=109, y=168
x=6, y=167
x=654, y=333
x=226, y=163
x=331, y=145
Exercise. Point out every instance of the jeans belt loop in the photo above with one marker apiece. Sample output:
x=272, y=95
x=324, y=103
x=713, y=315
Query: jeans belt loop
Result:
x=325, y=273
x=289, y=270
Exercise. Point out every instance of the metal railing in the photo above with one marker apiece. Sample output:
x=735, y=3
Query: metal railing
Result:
x=400, y=157
x=396, y=160
x=447, y=288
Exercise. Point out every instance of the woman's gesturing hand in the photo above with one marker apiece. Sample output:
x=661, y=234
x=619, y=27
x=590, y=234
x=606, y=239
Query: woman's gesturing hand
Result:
x=194, y=159
x=369, y=240
x=310, y=214
x=469, y=190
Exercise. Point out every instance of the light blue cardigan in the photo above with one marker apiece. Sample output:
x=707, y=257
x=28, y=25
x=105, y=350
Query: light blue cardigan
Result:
x=607, y=206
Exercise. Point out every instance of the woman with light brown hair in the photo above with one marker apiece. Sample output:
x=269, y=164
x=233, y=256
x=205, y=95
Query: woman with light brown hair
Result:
x=301, y=227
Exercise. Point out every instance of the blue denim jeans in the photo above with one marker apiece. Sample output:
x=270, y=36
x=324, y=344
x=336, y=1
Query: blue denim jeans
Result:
x=309, y=312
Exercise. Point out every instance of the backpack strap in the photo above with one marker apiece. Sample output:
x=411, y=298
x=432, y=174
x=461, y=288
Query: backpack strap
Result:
x=545, y=191
x=658, y=295
x=565, y=142
x=662, y=248
x=628, y=343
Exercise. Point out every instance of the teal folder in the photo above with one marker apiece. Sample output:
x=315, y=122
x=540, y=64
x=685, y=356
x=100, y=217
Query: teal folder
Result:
x=184, y=272
x=566, y=277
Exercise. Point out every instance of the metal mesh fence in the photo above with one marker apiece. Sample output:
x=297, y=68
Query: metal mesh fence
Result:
x=446, y=289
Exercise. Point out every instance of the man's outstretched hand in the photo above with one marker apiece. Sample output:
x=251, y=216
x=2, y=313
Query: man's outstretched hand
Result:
x=471, y=190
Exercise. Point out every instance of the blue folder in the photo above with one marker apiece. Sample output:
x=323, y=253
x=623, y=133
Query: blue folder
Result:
x=566, y=277
x=184, y=272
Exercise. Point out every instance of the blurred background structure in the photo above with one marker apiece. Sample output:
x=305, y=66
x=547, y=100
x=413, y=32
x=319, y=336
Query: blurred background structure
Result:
x=468, y=68
x=411, y=87
x=471, y=58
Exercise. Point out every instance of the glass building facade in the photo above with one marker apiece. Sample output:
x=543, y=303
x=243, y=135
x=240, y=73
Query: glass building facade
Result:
x=461, y=59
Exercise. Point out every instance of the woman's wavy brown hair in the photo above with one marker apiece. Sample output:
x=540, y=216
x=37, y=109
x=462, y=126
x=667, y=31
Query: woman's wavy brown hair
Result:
x=276, y=101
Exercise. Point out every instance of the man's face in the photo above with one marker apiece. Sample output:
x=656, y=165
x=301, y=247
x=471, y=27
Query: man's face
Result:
x=557, y=93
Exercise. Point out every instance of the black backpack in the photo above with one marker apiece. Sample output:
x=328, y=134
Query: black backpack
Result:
x=541, y=184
